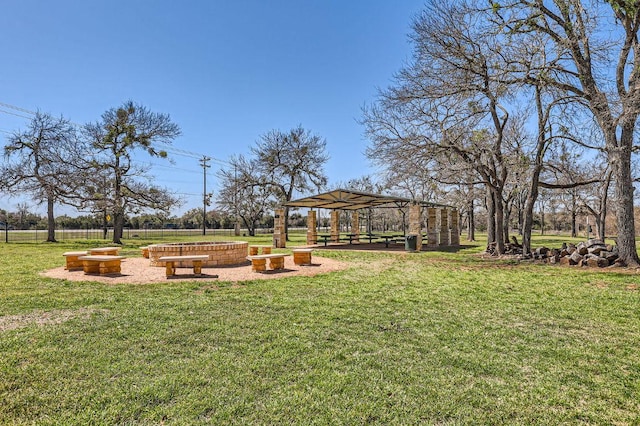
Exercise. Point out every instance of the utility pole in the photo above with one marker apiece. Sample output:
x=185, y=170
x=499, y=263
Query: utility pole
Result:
x=205, y=198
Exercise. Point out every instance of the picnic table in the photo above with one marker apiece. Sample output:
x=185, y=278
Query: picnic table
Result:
x=389, y=238
x=369, y=236
x=352, y=237
x=324, y=238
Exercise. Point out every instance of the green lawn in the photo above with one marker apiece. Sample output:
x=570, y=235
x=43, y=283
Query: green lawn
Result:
x=424, y=338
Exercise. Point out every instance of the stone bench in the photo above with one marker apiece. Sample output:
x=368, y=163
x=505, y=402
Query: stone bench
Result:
x=259, y=262
x=104, y=251
x=102, y=265
x=196, y=261
x=72, y=262
x=253, y=250
x=302, y=256
x=145, y=251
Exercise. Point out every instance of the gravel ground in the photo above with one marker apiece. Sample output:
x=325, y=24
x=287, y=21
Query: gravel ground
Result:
x=139, y=271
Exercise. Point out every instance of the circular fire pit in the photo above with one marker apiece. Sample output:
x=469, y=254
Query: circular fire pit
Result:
x=219, y=252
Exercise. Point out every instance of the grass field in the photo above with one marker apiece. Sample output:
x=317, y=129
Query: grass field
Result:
x=421, y=338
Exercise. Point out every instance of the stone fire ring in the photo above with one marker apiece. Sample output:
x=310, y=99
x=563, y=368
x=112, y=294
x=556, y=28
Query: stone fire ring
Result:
x=221, y=253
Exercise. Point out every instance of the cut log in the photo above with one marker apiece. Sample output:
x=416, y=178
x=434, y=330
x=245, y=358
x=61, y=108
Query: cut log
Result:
x=575, y=258
x=582, y=248
x=594, y=242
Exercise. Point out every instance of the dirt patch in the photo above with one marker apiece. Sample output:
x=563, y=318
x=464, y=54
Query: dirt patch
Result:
x=41, y=318
x=137, y=270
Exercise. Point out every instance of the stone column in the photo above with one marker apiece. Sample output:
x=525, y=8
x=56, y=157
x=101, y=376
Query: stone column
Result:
x=432, y=227
x=312, y=230
x=455, y=228
x=335, y=226
x=444, y=227
x=415, y=224
x=355, y=224
x=279, y=236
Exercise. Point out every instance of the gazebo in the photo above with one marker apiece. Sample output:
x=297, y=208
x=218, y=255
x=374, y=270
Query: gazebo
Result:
x=442, y=220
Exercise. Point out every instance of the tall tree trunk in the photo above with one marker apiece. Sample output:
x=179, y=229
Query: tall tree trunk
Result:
x=532, y=195
x=621, y=168
x=505, y=223
x=51, y=222
x=471, y=226
x=491, y=217
x=499, y=220
x=118, y=226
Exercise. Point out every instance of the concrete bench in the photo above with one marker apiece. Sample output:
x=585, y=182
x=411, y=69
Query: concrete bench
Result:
x=72, y=263
x=302, y=256
x=253, y=250
x=104, y=251
x=101, y=265
x=259, y=262
x=196, y=261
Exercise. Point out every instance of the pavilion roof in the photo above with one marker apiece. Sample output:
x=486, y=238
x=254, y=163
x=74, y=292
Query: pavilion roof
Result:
x=346, y=199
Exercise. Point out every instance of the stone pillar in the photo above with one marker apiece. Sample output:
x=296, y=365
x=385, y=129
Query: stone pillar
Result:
x=444, y=227
x=432, y=227
x=455, y=228
x=355, y=224
x=335, y=226
x=415, y=224
x=312, y=230
x=279, y=236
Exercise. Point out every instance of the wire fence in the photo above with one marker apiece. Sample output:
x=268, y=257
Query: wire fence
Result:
x=37, y=235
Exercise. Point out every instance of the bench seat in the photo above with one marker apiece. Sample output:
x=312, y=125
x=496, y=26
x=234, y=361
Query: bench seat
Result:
x=302, y=256
x=72, y=261
x=253, y=250
x=196, y=260
x=259, y=262
x=106, y=251
x=101, y=264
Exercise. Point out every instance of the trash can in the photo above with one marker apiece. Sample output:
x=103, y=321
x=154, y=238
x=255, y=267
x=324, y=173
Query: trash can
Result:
x=411, y=242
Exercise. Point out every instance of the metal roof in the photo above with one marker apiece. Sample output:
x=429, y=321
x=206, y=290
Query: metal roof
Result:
x=346, y=199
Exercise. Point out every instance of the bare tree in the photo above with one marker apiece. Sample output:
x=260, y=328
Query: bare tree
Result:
x=290, y=162
x=122, y=131
x=39, y=161
x=244, y=193
x=589, y=37
x=450, y=105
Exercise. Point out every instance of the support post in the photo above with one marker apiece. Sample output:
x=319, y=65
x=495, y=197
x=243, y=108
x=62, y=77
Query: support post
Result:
x=279, y=235
x=335, y=226
x=455, y=228
x=444, y=227
x=355, y=225
x=312, y=231
x=432, y=227
x=415, y=224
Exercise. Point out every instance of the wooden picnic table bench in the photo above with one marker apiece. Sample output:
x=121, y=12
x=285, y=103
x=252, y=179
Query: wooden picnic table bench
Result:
x=196, y=260
x=72, y=261
x=302, y=256
x=259, y=262
x=254, y=250
x=101, y=264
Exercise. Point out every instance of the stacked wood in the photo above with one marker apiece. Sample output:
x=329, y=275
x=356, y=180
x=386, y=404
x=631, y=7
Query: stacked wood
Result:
x=592, y=253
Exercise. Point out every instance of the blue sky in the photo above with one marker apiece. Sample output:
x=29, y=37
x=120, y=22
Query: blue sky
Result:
x=226, y=71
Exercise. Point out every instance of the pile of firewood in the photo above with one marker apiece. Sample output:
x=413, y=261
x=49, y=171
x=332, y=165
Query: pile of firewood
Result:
x=593, y=252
